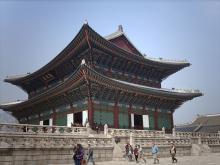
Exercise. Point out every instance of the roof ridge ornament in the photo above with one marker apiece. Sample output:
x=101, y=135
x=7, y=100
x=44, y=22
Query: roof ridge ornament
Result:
x=85, y=22
x=120, y=28
x=83, y=62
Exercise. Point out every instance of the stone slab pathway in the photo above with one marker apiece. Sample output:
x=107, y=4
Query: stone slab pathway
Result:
x=210, y=159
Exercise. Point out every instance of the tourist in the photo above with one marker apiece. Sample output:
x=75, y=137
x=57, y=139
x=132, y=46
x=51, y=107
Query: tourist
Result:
x=90, y=155
x=173, y=153
x=136, y=153
x=128, y=151
x=74, y=154
x=141, y=154
x=79, y=153
x=96, y=127
x=154, y=151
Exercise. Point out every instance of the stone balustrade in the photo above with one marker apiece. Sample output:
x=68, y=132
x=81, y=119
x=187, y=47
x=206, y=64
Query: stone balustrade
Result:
x=197, y=135
x=161, y=141
x=35, y=145
x=40, y=141
x=135, y=133
x=210, y=141
x=41, y=129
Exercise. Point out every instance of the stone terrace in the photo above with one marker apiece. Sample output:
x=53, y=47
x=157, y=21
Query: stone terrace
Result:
x=34, y=144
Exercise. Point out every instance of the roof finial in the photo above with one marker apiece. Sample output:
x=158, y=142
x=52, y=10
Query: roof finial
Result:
x=83, y=62
x=120, y=28
x=86, y=22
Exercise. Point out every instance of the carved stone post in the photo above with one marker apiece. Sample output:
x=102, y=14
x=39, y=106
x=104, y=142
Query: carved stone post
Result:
x=199, y=140
x=106, y=130
x=88, y=128
x=163, y=129
x=174, y=132
x=131, y=138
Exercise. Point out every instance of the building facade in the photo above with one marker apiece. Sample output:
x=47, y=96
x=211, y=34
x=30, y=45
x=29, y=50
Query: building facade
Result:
x=102, y=80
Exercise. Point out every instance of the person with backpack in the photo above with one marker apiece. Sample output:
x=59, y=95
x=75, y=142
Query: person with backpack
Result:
x=128, y=151
x=78, y=156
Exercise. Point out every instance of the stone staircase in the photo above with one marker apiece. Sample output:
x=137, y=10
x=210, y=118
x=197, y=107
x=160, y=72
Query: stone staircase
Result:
x=118, y=152
x=200, y=149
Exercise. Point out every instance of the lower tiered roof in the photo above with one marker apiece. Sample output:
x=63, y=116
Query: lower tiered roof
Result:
x=206, y=123
x=86, y=82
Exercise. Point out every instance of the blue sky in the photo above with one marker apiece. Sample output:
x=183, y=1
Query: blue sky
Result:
x=34, y=32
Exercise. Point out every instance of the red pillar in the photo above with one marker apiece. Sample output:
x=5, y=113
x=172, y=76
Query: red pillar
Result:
x=116, y=115
x=39, y=118
x=90, y=112
x=156, y=119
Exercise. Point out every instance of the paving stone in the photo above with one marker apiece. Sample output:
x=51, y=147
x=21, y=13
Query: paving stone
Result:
x=210, y=159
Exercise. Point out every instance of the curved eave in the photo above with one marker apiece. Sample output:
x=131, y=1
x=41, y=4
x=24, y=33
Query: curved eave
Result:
x=170, y=65
x=52, y=64
x=184, y=94
x=138, y=58
x=98, y=78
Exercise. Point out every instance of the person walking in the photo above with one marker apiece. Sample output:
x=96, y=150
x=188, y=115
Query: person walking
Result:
x=141, y=154
x=173, y=153
x=154, y=151
x=136, y=153
x=128, y=151
x=90, y=155
x=74, y=154
x=79, y=153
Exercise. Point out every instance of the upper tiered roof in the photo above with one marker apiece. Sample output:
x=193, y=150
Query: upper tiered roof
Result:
x=116, y=43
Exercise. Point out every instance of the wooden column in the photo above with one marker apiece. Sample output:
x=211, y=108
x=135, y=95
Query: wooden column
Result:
x=90, y=112
x=156, y=119
x=116, y=115
x=129, y=115
x=171, y=120
x=39, y=118
x=54, y=116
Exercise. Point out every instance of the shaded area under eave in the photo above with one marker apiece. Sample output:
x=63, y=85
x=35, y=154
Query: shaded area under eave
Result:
x=94, y=76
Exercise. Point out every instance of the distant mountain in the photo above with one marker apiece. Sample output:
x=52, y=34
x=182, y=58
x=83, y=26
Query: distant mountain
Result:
x=6, y=117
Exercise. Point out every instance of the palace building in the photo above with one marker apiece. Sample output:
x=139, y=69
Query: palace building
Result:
x=102, y=80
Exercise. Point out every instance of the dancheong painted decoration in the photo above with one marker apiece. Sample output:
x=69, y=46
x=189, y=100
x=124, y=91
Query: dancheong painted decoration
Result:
x=102, y=80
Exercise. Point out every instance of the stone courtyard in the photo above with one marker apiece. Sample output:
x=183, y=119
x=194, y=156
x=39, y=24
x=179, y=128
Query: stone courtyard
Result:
x=210, y=159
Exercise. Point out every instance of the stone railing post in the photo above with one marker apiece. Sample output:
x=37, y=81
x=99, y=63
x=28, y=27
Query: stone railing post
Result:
x=131, y=138
x=87, y=128
x=106, y=130
x=174, y=132
x=163, y=130
x=199, y=140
